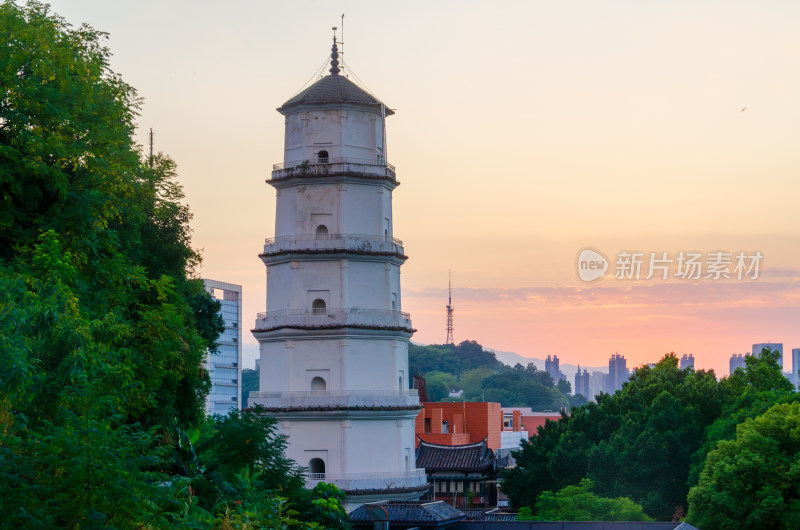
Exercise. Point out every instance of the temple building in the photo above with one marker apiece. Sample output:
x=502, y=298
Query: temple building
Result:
x=464, y=476
x=334, y=340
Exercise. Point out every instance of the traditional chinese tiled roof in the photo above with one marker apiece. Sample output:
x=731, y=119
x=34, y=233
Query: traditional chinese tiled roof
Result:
x=475, y=457
x=437, y=513
x=333, y=89
x=490, y=515
x=504, y=459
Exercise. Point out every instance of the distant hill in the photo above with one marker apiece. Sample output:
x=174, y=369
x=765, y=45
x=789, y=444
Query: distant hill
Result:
x=569, y=370
x=476, y=374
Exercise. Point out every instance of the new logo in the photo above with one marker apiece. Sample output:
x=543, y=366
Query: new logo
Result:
x=591, y=265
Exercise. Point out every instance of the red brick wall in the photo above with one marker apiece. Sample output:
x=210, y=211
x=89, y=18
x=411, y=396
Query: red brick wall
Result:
x=446, y=439
x=468, y=419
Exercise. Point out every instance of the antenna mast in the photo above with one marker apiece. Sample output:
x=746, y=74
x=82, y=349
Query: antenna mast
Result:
x=449, y=339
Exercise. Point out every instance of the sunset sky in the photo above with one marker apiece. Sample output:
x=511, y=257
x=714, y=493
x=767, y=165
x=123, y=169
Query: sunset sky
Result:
x=524, y=132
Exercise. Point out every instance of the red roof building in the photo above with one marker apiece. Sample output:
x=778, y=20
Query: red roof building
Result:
x=460, y=423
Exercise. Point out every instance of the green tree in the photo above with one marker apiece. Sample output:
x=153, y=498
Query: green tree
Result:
x=748, y=393
x=523, y=388
x=102, y=329
x=752, y=481
x=531, y=476
x=578, y=503
x=637, y=443
x=471, y=382
x=439, y=385
x=238, y=453
x=453, y=359
x=326, y=507
x=250, y=383
x=577, y=400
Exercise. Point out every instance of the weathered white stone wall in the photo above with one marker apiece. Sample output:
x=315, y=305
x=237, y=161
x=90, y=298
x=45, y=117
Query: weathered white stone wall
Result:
x=343, y=133
x=341, y=283
x=353, y=446
x=343, y=208
x=351, y=363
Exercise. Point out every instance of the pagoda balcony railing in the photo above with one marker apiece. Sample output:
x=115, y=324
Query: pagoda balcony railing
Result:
x=413, y=478
x=348, y=399
x=332, y=242
x=333, y=317
x=334, y=166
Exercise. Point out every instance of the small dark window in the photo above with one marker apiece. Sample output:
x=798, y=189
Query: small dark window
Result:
x=318, y=306
x=322, y=157
x=427, y=425
x=316, y=466
x=322, y=232
x=318, y=383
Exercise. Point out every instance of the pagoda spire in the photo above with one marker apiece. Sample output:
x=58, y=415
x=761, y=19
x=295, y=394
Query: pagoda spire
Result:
x=334, y=55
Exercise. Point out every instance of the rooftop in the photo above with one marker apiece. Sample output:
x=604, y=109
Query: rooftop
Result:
x=437, y=513
x=334, y=89
x=470, y=457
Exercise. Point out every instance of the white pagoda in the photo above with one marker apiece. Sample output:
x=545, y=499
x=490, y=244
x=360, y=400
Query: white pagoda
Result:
x=334, y=340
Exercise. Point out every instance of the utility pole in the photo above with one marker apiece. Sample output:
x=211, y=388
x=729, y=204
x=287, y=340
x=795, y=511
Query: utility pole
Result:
x=151, y=148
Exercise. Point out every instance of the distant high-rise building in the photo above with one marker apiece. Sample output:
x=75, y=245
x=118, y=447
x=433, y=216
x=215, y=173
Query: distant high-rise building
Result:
x=774, y=346
x=551, y=366
x=598, y=382
x=225, y=366
x=617, y=372
x=687, y=361
x=582, y=383
x=796, y=366
x=737, y=361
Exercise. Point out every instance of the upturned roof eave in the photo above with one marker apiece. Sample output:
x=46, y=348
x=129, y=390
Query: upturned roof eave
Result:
x=301, y=106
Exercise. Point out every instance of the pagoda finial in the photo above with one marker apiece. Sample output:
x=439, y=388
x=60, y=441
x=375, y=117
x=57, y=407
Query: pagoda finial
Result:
x=334, y=55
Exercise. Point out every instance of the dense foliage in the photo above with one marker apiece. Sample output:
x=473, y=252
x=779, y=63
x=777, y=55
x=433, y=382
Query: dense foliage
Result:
x=578, y=503
x=753, y=481
x=103, y=331
x=453, y=359
x=250, y=383
x=649, y=441
x=479, y=376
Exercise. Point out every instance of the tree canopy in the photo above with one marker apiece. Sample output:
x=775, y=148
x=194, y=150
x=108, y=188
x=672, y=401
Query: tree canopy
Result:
x=752, y=481
x=451, y=359
x=578, y=503
x=647, y=442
